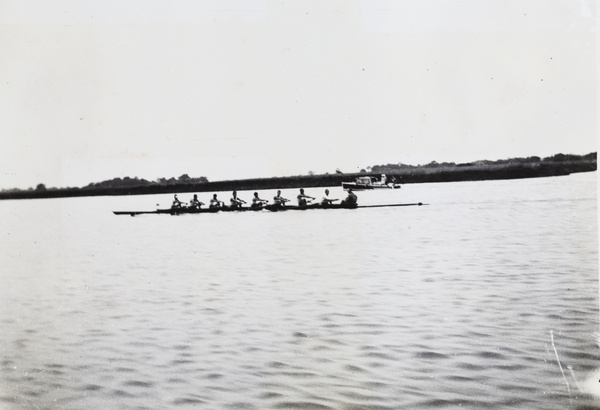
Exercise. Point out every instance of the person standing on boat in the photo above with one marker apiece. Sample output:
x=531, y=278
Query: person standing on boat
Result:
x=326, y=201
x=351, y=199
x=176, y=202
x=279, y=200
x=195, y=203
x=215, y=203
x=257, y=202
x=302, y=198
x=236, y=202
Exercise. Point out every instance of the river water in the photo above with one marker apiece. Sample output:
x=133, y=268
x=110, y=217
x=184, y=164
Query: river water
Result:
x=486, y=297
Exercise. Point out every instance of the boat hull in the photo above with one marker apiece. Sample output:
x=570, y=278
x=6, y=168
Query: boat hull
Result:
x=276, y=208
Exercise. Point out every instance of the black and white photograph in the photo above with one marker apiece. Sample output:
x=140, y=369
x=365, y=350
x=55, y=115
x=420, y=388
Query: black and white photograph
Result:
x=299, y=204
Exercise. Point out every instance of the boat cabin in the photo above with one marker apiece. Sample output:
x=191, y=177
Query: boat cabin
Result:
x=364, y=180
x=368, y=182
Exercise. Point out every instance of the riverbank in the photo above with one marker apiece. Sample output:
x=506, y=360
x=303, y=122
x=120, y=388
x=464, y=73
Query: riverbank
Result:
x=403, y=175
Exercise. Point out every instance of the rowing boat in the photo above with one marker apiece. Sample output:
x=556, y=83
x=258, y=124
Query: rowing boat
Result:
x=272, y=208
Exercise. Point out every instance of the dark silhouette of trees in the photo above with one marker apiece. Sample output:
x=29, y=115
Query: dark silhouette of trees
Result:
x=135, y=182
x=529, y=161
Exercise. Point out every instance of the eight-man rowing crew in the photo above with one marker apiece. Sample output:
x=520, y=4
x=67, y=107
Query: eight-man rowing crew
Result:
x=257, y=203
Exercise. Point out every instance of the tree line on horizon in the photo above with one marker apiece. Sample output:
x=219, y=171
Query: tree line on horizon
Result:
x=554, y=159
x=125, y=182
x=133, y=182
x=185, y=179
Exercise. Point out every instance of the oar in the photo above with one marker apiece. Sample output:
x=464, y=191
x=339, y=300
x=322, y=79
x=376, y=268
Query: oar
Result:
x=390, y=205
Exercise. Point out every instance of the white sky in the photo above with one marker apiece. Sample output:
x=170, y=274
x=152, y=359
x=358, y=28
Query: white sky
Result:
x=92, y=90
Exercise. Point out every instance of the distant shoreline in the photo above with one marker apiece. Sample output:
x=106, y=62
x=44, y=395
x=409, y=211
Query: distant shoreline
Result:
x=403, y=175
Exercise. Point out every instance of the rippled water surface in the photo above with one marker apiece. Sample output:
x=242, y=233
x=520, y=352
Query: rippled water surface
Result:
x=486, y=297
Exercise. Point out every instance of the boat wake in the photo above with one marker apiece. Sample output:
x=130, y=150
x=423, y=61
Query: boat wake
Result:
x=591, y=385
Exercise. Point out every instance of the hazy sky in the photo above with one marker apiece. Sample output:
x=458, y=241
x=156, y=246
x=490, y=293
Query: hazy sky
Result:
x=92, y=90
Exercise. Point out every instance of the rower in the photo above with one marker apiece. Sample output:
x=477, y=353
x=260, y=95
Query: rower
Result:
x=215, y=203
x=302, y=198
x=236, y=202
x=279, y=200
x=176, y=202
x=326, y=201
x=351, y=200
x=194, y=203
x=257, y=202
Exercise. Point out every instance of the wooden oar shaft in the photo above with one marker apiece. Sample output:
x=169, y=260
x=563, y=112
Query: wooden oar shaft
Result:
x=390, y=205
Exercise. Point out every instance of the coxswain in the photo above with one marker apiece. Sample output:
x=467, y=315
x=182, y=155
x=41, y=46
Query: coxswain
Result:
x=176, y=202
x=215, y=203
x=326, y=200
x=302, y=198
x=195, y=203
x=279, y=200
x=236, y=202
x=351, y=199
x=257, y=202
